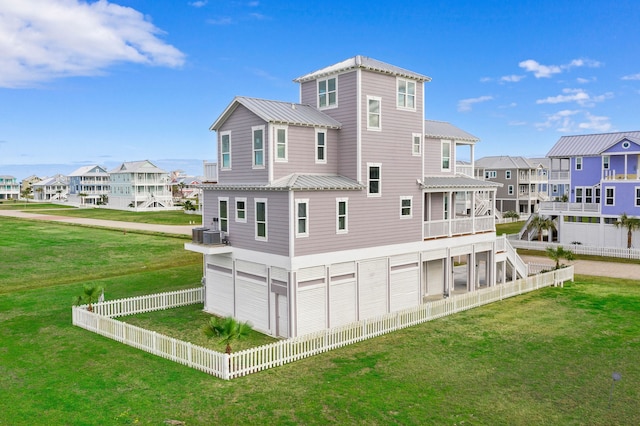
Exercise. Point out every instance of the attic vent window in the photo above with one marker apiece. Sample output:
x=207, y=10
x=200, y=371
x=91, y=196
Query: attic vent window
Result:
x=626, y=144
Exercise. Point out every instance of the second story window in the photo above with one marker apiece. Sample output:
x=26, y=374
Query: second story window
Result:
x=225, y=150
x=510, y=189
x=446, y=155
x=373, y=113
x=258, y=146
x=321, y=146
x=507, y=174
x=302, y=218
x=610, y=196
x=416, y=146
x=341, y=215
x=281, y=143
x=578, y=163
x=261, y=219
x=327, y=93
x=405, y=207
x=406, y=94
x=223, y=211
x=375, y=189
x=241, y=209
x=605, y=162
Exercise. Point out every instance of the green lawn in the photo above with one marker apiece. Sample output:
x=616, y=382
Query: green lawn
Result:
x=21, y=205
x=509, y=228
x=544, y=358
x=173, y=217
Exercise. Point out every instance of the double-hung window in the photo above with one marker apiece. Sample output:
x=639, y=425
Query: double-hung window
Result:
x=606, y=160
x=507, y=174
x=225, y=150
x=510, y=189
x=610, y=196
x=446, y=155
x=261, y=219
x=375, y=180
x=578, y=163
x=637, y=189
x=578, y=195
x=416, y=145
x=342, y=223
x=258, y=146
x=406, y=94
x=223, y=211
x=302, y=218
x=405, y=207
x=588, y=195
x=321, y=146
x=327, y=93
x=280, y=136
x=241, y=210
x=374, y=119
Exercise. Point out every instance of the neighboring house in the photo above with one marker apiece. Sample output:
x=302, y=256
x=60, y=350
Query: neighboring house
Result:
x=341, y=207
x=599, y=175
x=140, y=185
x=9, y=188
x=89, y=185
x=524, y=181
x=185, y=187
x=55, y=188
x=25, y=185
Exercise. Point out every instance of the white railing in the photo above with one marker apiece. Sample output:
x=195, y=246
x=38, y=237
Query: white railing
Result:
x=441, y=228
x=618, y=252
x=516, y=260
x=555, y=206
x=285, y=351
x=148, y=303
x=559, y=175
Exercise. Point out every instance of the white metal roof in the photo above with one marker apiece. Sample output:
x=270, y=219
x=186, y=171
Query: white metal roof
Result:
x=457, y=182
x=144, y=166
x=594, y=144
x=504, y=162
x=296, y=182
x=362, y=62
x=443, y=130
x=279, y=112
x=84, y=171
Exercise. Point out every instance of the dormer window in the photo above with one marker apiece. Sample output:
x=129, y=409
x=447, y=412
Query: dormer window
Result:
x=327, y=93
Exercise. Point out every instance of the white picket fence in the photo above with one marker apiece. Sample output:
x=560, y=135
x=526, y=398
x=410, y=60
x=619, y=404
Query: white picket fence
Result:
x=282, y=352
x=619, y=252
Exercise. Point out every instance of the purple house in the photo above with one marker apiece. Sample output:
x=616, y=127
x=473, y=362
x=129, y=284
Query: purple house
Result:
x=599, y=175
x=343, y=206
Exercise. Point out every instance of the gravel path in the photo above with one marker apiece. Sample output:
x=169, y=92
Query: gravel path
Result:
x=597, y=268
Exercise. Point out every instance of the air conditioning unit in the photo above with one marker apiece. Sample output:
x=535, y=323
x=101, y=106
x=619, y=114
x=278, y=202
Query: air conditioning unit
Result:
x=197, y=235
x=211, y=237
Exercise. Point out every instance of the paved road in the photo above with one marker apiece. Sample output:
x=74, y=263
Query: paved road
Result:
x=584, y=267
x=169, y=229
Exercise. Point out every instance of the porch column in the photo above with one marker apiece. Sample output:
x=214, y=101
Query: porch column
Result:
x=473, y=211
x=471, y=269
x=448, y=212
x=448, y=273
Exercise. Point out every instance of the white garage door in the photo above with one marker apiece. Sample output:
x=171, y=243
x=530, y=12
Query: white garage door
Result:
x=219, y=290
x=372, y=288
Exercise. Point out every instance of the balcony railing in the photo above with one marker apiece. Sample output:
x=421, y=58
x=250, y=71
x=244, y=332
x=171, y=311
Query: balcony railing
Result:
x=551, y=206
x=448, y=228
x=612, y=175
x=559, y=175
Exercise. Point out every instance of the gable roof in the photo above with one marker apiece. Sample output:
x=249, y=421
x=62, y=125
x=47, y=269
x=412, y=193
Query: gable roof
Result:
x=443, y=130
x=84, y=170
x=593, y=144
x=145, y=166
x=362, y=62
x=504, y=162
x=278, y=112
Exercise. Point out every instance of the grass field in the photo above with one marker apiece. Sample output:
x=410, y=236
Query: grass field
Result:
x=173, y=217
x=21, y=205
x=509, y=228
x=545, y=358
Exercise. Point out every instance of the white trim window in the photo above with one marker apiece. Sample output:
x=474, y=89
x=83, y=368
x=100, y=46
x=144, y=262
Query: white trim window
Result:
x=223, y=213
x=406, y=94
x=261, y=219
x=606, y=162
x=321, y=146
x=510, y=189
x=406, y=212
x=302, y=218
x=257, y=133
x=328, y=93
x=416, y=144
x=342, y=215
x=637, y=197
x=578, y=163
x=490, y=174
x=241, y=209
x=225, y=150
x=579, y=198
x=507, y=174
x=588, y=195
x=446, y=155
x=610, y=196
x=280, y=136
x=374, y=180
x=374, y=116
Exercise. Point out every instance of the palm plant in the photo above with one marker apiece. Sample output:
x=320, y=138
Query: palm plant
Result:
x=631, y=223
x=539, y=224
x=228, y=329
x=558, y=253
x=90, y=295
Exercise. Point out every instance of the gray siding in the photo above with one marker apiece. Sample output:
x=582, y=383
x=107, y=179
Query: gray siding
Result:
x=240, y=123
x=433, y=157
x=301, y=154
x=242, y=234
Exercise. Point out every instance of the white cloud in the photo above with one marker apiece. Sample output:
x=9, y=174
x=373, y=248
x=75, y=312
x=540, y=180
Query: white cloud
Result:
x=486, y=80
x=465, y=105
x=200, y=3
x=512, y=78
x=45, y=39
x=579, y=96
x=220, y=21
x=546, y=71
x=631, y=77
x=573, y=121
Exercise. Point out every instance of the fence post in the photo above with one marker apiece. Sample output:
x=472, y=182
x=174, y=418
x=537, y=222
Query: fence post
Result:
x=226, y=362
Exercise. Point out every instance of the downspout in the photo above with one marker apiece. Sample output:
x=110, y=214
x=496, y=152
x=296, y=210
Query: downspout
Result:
x=359, y=122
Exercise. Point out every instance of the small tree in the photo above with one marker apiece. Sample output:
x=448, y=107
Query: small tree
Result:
x=631, y=223
x=539, y=224
x=90, y=295
x=188, y=206
x=228, y=329
x=556, y=254
x=511, y=214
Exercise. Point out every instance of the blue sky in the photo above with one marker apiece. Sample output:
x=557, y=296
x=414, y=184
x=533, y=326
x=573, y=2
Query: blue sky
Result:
x=123, y=80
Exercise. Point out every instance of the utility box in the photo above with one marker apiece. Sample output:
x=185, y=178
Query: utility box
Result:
x=211, y=237
x=197, y=235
